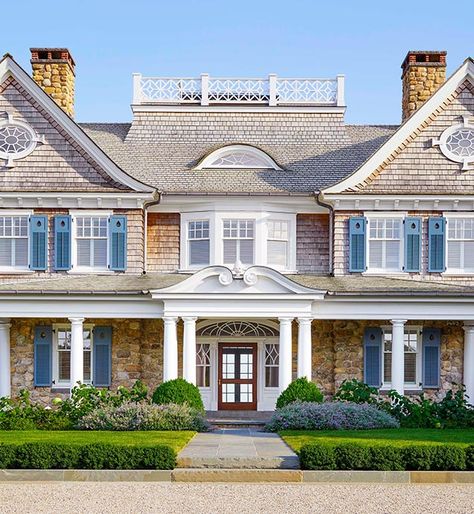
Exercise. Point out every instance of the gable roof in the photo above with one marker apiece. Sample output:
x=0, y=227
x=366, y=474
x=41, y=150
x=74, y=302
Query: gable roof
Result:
x=9, y=68
x=463, y=73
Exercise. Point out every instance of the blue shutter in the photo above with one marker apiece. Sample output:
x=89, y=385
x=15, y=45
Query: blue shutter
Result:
x=431, y=356
x=38, y=242
x=412, y=244
x=102, y=356
x=373, y=356
x=62, y=243
x=43, y=354
x=118, y=243
x=436, y=244
x=357, y=244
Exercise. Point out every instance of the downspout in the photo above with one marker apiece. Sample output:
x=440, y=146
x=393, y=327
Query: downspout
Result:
x=157, y=199
x=318, y=196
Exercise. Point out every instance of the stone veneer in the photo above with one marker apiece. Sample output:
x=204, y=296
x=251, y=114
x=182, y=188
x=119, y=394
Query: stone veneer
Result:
x=137, y=353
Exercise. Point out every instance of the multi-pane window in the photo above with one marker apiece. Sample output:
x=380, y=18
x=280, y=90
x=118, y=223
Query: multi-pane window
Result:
x=278, y=243
x=91, y=241
x=203, y=365
x=238, y=241
x=14, y=241
x=271, y=365
x=199, y=242
x=412, y=346
x=460, y=244
x=63, y=366
x=385, y=244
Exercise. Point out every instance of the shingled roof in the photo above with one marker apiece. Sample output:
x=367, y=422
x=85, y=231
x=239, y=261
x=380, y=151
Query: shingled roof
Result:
x=315, y=151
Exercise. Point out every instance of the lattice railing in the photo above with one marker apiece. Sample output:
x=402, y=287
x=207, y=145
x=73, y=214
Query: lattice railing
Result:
x=271, y=91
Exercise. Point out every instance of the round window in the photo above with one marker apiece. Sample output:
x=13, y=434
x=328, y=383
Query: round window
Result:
x=457, y=143
x=17, y=140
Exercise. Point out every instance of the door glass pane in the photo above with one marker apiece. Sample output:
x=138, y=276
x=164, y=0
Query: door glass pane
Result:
x=246, y=393
x=228, y=393
x=246, y=366
x=228, y=365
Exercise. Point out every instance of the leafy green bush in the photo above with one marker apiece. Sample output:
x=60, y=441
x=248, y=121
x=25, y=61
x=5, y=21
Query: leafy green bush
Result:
x=301, y=390
x=416, y=457
x=44, y=455
x=470, y=457
x=144, y=416
x=178, y=391
x=356, y=391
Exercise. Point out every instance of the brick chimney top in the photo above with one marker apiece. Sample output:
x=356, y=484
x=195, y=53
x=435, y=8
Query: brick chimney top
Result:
x=424, y=58
x=43, y=55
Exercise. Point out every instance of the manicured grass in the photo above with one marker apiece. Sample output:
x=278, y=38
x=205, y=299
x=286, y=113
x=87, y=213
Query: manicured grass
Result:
x=176, y=440
x=396, y=436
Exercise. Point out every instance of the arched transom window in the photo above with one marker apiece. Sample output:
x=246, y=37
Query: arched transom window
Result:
x=237, y=329
x=238, y=157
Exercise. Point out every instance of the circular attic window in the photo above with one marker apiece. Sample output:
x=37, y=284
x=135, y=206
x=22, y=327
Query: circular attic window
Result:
x=17, y=140
x=457, y=143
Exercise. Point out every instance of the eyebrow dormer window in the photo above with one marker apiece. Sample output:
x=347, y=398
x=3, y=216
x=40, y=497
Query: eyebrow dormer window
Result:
x=238, y=157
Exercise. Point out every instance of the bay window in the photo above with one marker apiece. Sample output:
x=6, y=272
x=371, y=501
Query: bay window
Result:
x=460, y=244
x=385, y=243
x=14, y=242
x=199, y=242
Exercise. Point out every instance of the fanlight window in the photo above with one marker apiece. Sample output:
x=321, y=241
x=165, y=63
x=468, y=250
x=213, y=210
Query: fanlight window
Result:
x=238, y=157
x=237, y=329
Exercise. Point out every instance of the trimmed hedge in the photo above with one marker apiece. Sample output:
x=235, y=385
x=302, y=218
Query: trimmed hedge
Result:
x=178, y=391
x=88, y=456
x=300, y=390
x=415, y=457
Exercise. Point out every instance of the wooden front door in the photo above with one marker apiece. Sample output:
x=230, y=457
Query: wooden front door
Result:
x=237, y=376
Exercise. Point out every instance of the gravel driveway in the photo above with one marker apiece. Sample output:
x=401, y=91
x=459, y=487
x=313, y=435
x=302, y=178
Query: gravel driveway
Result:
x=128, y=497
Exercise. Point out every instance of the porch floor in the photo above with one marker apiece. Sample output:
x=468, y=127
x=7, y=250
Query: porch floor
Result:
x=243, y=448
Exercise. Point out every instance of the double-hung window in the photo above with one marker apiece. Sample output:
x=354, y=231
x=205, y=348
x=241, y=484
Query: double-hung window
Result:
x=412, y=357
x=198, y=243
x=385, y=244
x=238, y=239
x=62, y=356
x=92, y=242
x=460, y=244
x=14, y=242
x=278, y=247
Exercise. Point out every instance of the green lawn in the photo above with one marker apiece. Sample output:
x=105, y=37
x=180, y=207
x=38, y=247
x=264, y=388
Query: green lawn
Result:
x=177, y=440
x=399, y=437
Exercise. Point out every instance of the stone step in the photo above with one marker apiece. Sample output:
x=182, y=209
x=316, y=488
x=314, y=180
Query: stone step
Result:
x=233, y=462
x=236, y=423
x=236, y=475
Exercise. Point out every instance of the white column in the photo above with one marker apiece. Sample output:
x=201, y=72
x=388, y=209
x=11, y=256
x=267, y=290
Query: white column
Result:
x=189, y=349
x=398, y=354
x=5, y=372
x=468, y=365
x=285, y=368
x=77, y=351
x=304, y=348
x=170, y=349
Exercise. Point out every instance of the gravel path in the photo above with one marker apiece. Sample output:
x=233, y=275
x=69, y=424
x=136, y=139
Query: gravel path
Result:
x=127, y=497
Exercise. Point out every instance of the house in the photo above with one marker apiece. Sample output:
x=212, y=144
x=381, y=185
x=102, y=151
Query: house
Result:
x=237, y=233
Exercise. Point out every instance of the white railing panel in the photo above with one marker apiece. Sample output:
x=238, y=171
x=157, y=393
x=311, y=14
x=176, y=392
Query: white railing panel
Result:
x=170, y=90
x=306, y=91
x=238, y=90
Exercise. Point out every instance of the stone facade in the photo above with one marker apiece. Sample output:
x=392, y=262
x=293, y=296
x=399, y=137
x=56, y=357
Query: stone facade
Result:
x=312, y=243
x=163, y=241
x=423, y=74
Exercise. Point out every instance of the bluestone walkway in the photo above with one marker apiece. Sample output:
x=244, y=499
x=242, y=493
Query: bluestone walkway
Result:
x=244, y=448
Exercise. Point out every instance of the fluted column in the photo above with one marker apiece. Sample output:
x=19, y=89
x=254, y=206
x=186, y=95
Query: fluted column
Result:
x=170, y=349
x=77, y=351
x=398, y=355
x=285, y=368
x=468, y=365
x=189, y=349
x=5, y=371
x=304, y=348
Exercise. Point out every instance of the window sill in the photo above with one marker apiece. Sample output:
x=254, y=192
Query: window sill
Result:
x=88, y=271
x=16, y=271
x=457, y=274
x=383, y=273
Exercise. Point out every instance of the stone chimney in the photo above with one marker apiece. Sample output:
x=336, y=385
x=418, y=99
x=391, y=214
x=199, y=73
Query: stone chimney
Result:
x=53, y=71
x=422, y=75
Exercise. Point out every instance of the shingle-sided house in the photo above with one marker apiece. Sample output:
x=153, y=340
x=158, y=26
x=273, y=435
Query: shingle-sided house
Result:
x=237, y=233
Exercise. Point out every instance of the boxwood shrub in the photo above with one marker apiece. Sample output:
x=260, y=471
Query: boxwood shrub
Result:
x=301, y=390
x=415, y=457
x=178, y=391
x=44, y=455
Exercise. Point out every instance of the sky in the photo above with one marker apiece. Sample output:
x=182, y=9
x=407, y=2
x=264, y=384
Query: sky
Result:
x=364, y=40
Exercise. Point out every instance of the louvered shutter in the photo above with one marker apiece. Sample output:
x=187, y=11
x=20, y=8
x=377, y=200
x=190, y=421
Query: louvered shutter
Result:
x=102, y=356
x=43, y=343
x=373, y=356
x=118, y=243
x=357, y=244
x=431, y=356
x=413, y=244
x=38, y=243
x=62, y=243
x=436, y=245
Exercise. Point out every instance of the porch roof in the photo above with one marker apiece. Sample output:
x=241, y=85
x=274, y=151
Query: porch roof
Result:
x=130, y=284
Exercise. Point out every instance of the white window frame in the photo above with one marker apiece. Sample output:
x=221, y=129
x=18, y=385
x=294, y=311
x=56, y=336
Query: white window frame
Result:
x=55, y=360
x=238, y=239
x=412, y=386
x=287, y=241
x=84, y=214
x=266, y=161
x=216, y=228
x=385, y=215
x=19, y=269
x=451, y=216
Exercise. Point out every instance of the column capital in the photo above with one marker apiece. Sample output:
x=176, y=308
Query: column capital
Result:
x=304, y=320
x=188, y=319
x=285, y=320
x=170, y=319
x=76, y=321
x=468, y=326
x=5, y=323
x=398, y=322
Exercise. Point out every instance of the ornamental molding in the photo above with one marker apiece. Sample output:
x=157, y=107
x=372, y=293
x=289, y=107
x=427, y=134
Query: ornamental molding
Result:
x=17, y=139
x=457, y=143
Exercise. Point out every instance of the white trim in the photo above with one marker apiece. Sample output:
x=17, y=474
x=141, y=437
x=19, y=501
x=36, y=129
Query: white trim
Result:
x=405, y=130
x=207, y=162
x=8, y=67
x=238, y=108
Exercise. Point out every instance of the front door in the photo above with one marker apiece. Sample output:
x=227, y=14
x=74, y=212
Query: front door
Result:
x=237, y=376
